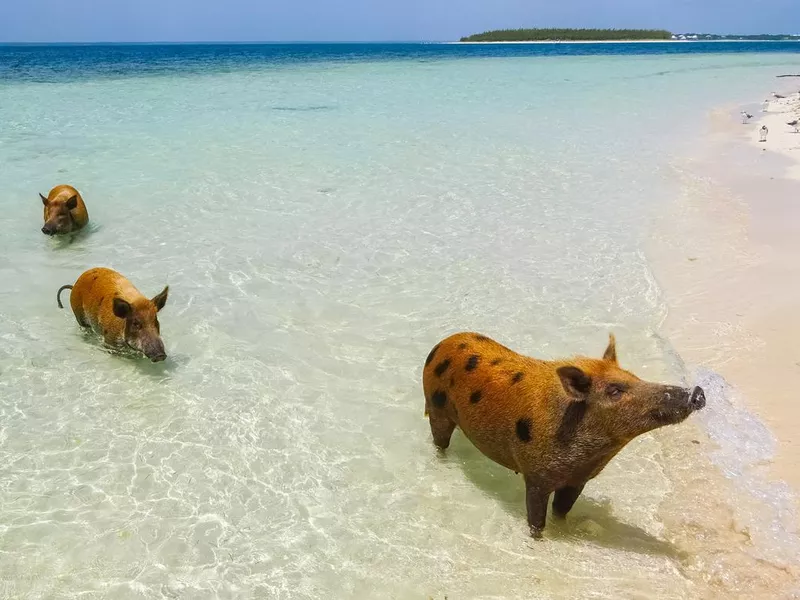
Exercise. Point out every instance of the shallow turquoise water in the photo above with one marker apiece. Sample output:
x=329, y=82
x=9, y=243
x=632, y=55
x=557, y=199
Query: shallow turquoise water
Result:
x=321, y=225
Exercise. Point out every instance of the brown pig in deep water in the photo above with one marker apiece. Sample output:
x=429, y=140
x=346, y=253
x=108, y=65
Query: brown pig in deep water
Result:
x=109, y=304
x=64, y=211
x=558, y=423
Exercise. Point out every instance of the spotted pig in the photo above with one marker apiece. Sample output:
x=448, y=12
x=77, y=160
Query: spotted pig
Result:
x=558, y=423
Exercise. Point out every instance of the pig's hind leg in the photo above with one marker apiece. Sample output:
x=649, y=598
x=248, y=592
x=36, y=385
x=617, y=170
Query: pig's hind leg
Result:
x=442, y=426
x=442, y=429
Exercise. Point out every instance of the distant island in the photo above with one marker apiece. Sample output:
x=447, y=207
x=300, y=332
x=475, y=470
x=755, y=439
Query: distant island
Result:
x=568, y=35
x=613, y=35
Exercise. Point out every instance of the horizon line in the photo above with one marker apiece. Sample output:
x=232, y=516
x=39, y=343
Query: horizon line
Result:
x=320, y=42
x=228, y=42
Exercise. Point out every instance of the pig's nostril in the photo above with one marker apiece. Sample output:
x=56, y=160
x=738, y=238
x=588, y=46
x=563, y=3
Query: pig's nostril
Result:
x=698, y=398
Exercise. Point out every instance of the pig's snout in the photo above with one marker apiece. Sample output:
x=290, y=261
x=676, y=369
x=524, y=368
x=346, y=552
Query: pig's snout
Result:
x=692, y=398
x=155, y=351
x=697, y=398
x=47, y=230
x=677, y=403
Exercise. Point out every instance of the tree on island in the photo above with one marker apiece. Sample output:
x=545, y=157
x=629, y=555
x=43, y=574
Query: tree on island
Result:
x=616, y=35
x=568, y=35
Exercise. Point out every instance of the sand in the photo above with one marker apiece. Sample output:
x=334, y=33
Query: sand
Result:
x=727, y=256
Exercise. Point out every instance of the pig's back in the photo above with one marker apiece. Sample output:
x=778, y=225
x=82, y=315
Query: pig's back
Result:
x=93, y=295
x=500, y=399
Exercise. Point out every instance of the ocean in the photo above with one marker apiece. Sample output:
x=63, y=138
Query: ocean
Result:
x=323, y=215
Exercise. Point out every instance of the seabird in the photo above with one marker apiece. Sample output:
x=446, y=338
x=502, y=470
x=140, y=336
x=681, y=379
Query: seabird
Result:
x=795, y=124
x=763, y=133
x=746, y=116
x=777, y=95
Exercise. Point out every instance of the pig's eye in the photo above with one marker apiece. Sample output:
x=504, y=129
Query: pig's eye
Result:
x=615, y=390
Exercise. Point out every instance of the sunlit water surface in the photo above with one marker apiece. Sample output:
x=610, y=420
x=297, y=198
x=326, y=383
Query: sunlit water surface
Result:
x=322, y=222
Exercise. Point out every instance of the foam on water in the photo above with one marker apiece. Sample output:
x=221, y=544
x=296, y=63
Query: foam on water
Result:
x=744, y=445
x=321, y=226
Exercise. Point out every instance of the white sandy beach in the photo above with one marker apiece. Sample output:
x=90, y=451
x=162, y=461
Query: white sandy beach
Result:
x=732, y=280
x=783, y=139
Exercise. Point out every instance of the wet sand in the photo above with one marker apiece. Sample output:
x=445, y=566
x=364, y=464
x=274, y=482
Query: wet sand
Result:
x=727, y=256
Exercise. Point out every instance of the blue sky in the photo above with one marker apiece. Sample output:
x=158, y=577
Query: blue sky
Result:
x=369, y=20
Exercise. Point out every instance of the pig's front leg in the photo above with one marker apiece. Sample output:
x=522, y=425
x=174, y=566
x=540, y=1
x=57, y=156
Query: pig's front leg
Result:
x=565, y=498
x=111, y=340
x=536, y=500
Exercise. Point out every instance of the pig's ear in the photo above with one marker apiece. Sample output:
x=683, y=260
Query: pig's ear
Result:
x=121, y=308
x=576, y=383
x=161, y=299
x=44, y=199
x=611, y=352
x=72, y=203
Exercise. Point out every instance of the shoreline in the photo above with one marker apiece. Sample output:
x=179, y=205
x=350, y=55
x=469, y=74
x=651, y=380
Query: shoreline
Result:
x=577, y=42
x=729, y=277
x=630, y=42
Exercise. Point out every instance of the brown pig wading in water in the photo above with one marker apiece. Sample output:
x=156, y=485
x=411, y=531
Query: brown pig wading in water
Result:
x=558, y=423
x=64, y=211
x=105, y=301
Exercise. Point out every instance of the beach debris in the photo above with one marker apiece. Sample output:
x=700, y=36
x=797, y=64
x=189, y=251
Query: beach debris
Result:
x=795, y=124
x=762, y=133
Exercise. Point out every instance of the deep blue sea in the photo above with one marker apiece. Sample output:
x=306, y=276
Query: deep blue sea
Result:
x=323, y=215
x=70, y=61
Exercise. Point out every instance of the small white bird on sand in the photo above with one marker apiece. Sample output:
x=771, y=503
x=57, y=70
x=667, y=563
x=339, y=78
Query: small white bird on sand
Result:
x=795, y=124
x=762, y=133
x=746, y=116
